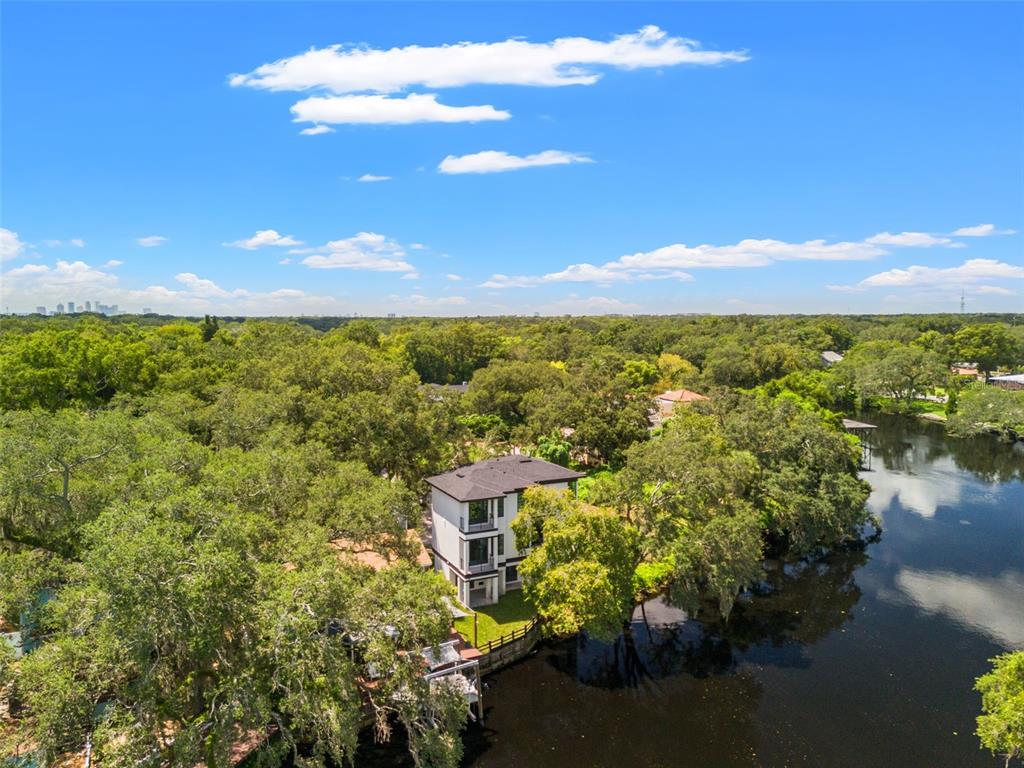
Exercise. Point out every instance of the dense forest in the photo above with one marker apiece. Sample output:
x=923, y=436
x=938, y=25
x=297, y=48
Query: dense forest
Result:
x=169, y=488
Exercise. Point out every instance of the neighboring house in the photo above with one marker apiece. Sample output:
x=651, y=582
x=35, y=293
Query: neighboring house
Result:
x=1013, y=381
x=471, y=509
x=667, y=401
x=968, y=370
x=831, y=358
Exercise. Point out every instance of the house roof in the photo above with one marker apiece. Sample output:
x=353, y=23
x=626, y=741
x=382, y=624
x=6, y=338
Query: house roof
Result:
x=497, y=477
x=1017, y=378
x=681, y=396
x=377, y=561
x=831, y=357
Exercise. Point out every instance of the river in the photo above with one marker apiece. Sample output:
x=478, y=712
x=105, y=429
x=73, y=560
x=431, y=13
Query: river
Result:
x=865, y=658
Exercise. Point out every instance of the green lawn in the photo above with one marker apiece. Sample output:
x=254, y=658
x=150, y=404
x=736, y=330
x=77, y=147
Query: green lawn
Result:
x=509, y=613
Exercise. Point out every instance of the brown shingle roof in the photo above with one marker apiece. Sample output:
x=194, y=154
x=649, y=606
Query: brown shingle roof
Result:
x=497, y=477
x=681, y=396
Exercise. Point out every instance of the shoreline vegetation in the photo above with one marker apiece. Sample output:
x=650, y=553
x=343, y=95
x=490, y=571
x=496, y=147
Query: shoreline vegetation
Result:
x=172, y=488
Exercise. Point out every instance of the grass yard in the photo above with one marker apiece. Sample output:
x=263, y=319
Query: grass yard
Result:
x=509, y=613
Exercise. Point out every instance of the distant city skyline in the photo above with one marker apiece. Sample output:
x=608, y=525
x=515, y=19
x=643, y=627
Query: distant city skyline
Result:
x=303, y=159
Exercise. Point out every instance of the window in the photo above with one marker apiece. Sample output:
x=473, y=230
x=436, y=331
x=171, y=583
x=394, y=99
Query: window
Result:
x=511, y=573
x=478, y=552
x=478, y=512
x=501, y=544
x=519, y=501
x=501, y=507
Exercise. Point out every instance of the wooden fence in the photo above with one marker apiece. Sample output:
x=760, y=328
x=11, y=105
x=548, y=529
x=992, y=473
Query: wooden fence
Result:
x=509, y=648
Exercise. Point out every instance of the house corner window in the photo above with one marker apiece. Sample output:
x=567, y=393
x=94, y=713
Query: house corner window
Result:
x=511, y=573
x=501, y=507
x=501, y=545
x=477, y=512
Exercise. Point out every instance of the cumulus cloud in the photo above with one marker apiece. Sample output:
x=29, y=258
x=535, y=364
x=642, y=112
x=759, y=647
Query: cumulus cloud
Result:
x=374, y=109
x=453, y=278
x=264, y=238
x=366, y=250
x=113, y=263
x=369, y=178
x=670, y=262
x=152, y=241
x=11, y=246
x=982, y=230
x=361, y=81
x=492, y=161
x=971, y=271
x=565, y=61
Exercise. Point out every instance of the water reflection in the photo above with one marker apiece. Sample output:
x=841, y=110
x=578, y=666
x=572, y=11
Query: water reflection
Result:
x=796, y=604
x=994, y=606
x=904, y=444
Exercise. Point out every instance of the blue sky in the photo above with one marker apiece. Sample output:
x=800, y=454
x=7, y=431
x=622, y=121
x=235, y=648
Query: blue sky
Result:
x=566, y=158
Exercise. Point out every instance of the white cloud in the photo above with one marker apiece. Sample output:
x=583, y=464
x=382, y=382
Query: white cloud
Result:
x=316, y=130
x=911, y=240
x=11, y=246
x=369, y=177
x=77, y=242
x=454, y=278
x=493, y=161
x=366, y=250
x=564, y=61
x=410, y=276
x=264, y=238
x=416, y=246
x=992, y=290
x=669, y=261
x=113, y=263
x=419, y=301
x=285, y=260
x=152, y=241
x=971, y=271
x=383, y=110
x=982, y=230
x=34, y=284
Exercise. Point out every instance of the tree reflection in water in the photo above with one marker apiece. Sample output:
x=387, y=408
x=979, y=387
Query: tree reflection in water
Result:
x=902, y=442
x=797, y=604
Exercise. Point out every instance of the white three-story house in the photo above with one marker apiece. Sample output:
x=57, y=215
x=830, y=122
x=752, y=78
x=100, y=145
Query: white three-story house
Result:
x=471, y=509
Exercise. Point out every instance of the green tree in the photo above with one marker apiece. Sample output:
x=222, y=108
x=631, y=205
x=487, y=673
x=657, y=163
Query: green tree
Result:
x=990, y=345
x=1001, y=724
x=580, y=576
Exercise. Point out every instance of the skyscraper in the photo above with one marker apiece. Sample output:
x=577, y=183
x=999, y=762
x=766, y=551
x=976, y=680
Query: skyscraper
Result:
x=88, y=306
x=71, y=307
x=41, y=310
x=60, y=308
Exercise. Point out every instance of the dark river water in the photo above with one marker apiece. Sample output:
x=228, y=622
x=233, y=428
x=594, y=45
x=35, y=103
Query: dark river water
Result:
x=866, y=658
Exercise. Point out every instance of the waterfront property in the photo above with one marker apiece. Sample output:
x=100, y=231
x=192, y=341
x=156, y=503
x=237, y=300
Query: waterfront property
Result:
x=1013, y=381
x=471, y=509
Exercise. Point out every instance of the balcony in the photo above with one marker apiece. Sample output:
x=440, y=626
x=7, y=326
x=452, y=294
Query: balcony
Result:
x=482, y=566
x=480, y=525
